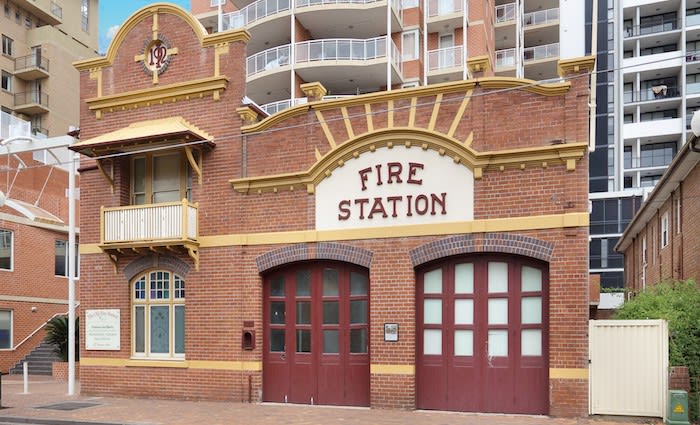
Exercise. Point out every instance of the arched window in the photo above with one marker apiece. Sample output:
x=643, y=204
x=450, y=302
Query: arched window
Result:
x=158, y=315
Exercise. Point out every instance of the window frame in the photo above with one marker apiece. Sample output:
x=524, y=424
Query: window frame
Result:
x=65, y=258
x=10, y=337
x=678, y=215
x=185, y=176
x=6, y=76
x=664, y=230
x=7, y=45
x=406, y=35
x=147, y=303
x=85, y=15
x=11, y=250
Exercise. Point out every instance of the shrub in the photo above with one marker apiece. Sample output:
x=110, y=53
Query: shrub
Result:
x=57, y=334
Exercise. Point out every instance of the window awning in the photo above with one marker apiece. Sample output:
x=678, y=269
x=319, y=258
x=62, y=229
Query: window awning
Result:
x=160, y=131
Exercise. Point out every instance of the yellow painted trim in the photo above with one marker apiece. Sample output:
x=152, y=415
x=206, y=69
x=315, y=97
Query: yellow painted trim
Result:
x=368, y=115
x=412, y=113
x=219, y=50
x=96, y=74
x=348, y=122
x=326, y=130
x=436, y=112
x=580, y=64
x=470, y=139
x=566, y=153
x=460, y=114
x=248, y=366
x=532, y=86
x=511, y=224
x=158, y=94
x=568, y=373
x=205, y=40
x=392, y=369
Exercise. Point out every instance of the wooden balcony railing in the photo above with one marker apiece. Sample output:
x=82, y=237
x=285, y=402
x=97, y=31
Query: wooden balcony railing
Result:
x=167, y=225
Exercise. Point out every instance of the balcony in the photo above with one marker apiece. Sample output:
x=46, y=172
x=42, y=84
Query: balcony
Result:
x=145, y=228
x=281, y=105
x=654, y=93
x=662, y=25
x=47, y=11
x=444, y=15
x=11, y=126
x=649, y=130
x=505, y=13
x=544, y=52
x=445, y=64
x=541, y=17
x=31, y=103
x=253, y=13
x=31, y=67
x=505, y=59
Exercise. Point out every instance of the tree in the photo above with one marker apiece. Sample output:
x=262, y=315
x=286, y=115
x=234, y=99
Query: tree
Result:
x=678, y=302
x=57, y=334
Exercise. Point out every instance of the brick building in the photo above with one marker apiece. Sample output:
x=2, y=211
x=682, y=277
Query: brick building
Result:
x=33, y=251
x=417, y=248
x=661, y=242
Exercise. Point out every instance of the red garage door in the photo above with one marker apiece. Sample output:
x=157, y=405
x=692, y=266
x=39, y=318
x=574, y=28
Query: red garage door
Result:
x=317, y=335
x=482, y=341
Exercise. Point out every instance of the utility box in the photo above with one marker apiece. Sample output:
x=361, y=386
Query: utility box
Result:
x=677, y=408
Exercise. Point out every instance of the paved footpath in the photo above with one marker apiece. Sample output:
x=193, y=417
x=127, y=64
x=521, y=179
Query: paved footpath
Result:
x=31, y=409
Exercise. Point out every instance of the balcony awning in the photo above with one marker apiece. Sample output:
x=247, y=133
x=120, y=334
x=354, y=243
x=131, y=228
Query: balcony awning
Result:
x=161, y=131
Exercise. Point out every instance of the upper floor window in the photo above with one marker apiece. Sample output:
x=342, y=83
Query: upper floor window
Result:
x=644, y=249
x=664, y=229
x=6, y=45
x=158, y=315
x=6, y=8
x=61, y=259
x=160, y=177
x=5, y=250
x=6, y=81
x=678, y=215
x=409, y=45
x=5, y=329
x=84, y=14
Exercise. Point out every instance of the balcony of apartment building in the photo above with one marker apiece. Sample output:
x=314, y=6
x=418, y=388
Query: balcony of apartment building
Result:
x=446, y=64
x=357, y=66
x=11, y=126
x=269, y=21
x=650, y=21
x=281, y=105
x=444, y=15
x=48, y=11
x=645, y=161
x=157, y=212
x=31, y=67
x=653, y=125
x=539, y=62
x=31, y=102
x=652, y=91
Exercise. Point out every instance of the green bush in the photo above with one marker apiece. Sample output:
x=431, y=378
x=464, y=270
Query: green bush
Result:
x=678, y=302
x=57, y=334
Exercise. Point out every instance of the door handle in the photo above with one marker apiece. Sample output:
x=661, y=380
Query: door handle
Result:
x=283, y=356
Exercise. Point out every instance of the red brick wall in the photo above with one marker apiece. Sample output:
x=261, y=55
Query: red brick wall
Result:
x=227, y=289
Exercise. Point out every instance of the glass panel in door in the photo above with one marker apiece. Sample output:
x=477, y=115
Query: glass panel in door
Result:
x=166, y=178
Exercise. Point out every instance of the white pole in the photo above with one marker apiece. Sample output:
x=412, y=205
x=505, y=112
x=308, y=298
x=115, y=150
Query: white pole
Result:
x=26, y=377
x=219, y=17
x=71, y=277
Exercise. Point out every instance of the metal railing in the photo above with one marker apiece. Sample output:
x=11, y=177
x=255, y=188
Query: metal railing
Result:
x=505, y=58
x=31, y=61
x=655, y=93
x=56, y=10
x=305, y=3
x=11, y=126
x=692, y=56
x=443, y=7
x=253, y=12
x=505, y=13
x=32, y=97
x=662, y=25
x=268, y=59
x=396, y=58
x=150, y=223
x=541, y=17
x=281, y=105
x=340, y=49
x=545, y=51
x=692, y=20
x=447, y=57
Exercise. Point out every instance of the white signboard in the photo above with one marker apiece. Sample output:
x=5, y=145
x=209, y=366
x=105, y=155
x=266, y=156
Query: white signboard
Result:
x=397, y=186
x=102, y=329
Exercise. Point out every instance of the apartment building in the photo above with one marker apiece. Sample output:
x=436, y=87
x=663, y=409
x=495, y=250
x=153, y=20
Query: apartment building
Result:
x=40, y=41
x=648, y=87
x=363, y=46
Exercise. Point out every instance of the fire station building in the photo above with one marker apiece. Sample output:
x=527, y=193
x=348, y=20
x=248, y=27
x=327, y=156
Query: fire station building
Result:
x=414, y=248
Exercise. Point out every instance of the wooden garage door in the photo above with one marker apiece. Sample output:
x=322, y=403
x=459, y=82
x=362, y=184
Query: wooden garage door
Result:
x=316, y=345
x=482, y=341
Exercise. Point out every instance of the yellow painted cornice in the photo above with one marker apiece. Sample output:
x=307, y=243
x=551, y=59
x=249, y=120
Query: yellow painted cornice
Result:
x=510, y=224
x=479, y=64
x=205, y=40
x=407, y=138
x=575, y=65
x=549, y=89
x=159, y=94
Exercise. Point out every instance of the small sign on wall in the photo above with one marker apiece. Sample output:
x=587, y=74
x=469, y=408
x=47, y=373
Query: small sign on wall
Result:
x=102, y=329
x=391, y=332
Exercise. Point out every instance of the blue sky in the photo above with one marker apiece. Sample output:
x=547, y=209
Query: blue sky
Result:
x=113, y=13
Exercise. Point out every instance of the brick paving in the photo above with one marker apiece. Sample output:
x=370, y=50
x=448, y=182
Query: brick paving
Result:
x=44, y=392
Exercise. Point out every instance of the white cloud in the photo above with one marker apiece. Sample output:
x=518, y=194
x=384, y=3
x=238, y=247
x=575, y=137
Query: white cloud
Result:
x=112, y=31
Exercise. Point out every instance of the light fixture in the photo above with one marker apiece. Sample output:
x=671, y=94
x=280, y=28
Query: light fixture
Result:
x=695, y=123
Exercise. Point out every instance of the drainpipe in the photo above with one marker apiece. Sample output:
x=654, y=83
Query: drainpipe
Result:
x=594, y=76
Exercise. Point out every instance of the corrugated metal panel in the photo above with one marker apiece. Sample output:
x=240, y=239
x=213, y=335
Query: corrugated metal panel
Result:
x=629, y=364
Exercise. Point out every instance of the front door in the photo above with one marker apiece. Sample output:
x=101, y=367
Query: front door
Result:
x=482, y=336
x=316, y=345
